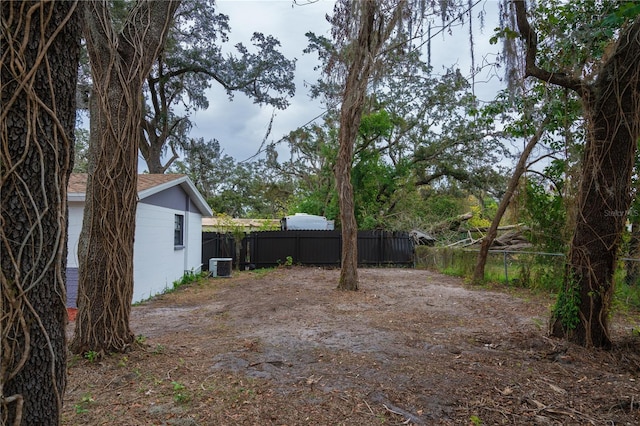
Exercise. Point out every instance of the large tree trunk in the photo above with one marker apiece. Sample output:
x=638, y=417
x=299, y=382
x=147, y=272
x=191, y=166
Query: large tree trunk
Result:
x=372, y=33
x=487, y=241
x=151, y=147
x=119, y=64
x=613, y=117
x=37, y=118
x=612, y=112
x=152, y=154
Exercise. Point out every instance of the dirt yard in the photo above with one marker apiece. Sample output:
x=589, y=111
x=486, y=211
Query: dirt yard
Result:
x=283, y=347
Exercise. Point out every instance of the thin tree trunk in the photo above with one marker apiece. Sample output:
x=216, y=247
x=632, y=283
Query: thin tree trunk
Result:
x=350, y=116
x=119, y=64
x=349, y=227
x=521, y=167
x=105, y=249
x=37, y=84
x=372, y=33
x=151, y=148
x=152, y=156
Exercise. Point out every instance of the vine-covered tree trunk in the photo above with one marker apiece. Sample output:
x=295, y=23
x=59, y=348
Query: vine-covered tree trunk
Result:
x=39, y=53
x=120, y=63
x=613, y=117
x=612, y=114
x=632, y=267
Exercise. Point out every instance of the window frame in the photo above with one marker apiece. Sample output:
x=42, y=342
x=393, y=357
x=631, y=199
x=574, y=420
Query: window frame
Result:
x=178, y=231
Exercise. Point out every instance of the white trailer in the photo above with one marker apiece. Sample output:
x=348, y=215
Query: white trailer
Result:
x=304, y=221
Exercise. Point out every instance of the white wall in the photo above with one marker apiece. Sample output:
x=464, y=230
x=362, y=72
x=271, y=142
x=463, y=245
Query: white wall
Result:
x=193, y=239
x=76, y=211
x=156, y=262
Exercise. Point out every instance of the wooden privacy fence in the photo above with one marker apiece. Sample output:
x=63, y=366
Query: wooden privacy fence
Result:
x=319, y=248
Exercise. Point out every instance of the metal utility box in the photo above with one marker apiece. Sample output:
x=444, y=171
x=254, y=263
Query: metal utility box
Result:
x=220, y=266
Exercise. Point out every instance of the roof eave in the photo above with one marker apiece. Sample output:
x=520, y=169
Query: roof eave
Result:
x=196, y=197
x=187, y=185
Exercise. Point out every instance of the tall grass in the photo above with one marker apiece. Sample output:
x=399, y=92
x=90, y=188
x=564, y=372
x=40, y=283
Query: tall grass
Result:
x=541, y=273
x=514, y=269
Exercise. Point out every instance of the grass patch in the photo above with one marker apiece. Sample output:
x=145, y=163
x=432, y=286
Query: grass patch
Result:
x=260, y=273
x=535, y=272
x=190, y=277
x=538, y=273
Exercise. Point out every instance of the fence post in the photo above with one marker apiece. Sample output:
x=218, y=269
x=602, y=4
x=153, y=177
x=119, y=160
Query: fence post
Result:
x=506, y=273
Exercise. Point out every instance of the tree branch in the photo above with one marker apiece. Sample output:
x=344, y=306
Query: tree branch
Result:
x=202, y=70
x=531, y=69
x=459, y=175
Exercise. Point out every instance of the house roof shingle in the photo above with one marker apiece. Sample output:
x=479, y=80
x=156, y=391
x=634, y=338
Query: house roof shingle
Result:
x=148, y=184
x=78, y=181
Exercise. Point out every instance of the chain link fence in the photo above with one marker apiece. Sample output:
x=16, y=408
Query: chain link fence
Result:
x=539, y=271
x=533, y=269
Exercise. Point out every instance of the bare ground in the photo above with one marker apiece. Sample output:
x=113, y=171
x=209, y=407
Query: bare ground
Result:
x=284, y=347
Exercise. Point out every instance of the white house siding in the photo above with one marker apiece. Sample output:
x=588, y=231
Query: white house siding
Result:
x=194, y=244
x=157, y=263
x=76, y=211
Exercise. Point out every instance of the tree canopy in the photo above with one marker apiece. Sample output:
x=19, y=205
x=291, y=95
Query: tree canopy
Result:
x=194, y=57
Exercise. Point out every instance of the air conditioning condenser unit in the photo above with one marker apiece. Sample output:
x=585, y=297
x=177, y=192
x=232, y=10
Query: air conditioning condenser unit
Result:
x=220, y=266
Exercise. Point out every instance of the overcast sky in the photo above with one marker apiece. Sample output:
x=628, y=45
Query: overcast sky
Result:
x=240, y=125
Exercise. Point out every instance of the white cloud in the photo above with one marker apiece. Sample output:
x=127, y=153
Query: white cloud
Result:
x=240, y=125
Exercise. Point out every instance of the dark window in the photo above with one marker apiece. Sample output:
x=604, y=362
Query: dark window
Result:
x=178, y=233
